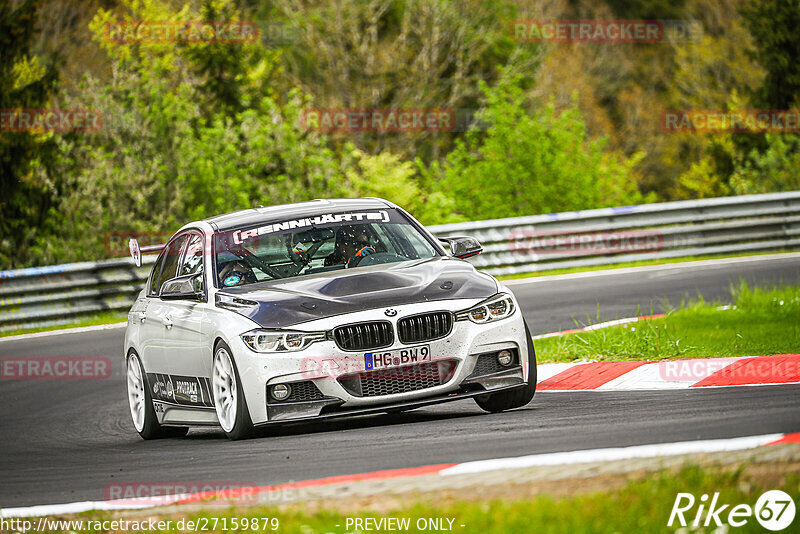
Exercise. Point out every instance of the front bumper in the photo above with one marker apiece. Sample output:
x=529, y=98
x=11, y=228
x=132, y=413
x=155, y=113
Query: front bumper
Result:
x=325, y=365
x=318, y=410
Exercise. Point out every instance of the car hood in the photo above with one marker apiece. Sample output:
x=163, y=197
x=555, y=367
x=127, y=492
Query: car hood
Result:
x=283, y=303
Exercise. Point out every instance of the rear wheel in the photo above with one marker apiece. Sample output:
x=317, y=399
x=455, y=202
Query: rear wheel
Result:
x=229, y=401
x=516, y=398
x=141, y=405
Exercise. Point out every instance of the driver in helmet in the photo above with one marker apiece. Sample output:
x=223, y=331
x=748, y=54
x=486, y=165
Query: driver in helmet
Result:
x=354, y=244
x=236, y=273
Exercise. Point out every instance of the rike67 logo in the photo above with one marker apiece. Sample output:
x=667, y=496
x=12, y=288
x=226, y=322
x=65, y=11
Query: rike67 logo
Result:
x=774, y=510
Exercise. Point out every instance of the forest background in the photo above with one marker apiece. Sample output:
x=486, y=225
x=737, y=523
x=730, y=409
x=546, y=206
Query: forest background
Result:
x=194, y=129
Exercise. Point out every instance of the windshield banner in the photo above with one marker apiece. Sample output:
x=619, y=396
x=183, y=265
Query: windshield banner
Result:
x=239, y=236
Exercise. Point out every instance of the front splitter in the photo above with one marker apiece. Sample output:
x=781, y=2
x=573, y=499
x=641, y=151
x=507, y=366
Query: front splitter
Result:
x=389, y=408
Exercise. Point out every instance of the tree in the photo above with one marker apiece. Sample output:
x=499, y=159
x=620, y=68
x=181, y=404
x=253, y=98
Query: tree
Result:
x=773, y=25
x=774, y=169
x=26, y=82
x=776, y=46
x=739, y=163
x=395, y=54
x=711, y=74
x=227, y=85
x=386, y=175
x=176, y=145
x=522, y=163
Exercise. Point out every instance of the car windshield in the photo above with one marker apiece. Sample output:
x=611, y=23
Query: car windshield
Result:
x=309, y=245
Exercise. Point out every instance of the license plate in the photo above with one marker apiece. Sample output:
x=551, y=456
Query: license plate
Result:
x=397, y=357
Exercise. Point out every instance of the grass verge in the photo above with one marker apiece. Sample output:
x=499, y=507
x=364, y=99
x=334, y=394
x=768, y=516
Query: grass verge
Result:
x=640, y=503
x=760, y=322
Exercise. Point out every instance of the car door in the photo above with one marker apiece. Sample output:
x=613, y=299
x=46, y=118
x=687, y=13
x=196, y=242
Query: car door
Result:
x=155, y=314
x=188, y=333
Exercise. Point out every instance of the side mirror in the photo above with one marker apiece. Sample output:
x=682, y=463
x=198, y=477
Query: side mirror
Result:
x=463, y=247
x=186, y=287
x=136, y=252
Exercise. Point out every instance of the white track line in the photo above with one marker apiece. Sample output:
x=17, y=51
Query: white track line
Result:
x=551, y=459
x=74, y=508
x=64, y=331
x=610, y=455
x=596, y=326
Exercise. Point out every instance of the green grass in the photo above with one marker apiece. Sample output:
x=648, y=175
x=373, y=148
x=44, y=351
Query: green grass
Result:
x=641, y=504
x=92, y=320
x=627, y=264
x=761, y=322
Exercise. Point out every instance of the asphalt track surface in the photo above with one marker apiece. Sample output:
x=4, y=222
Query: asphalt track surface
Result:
x=63, y=441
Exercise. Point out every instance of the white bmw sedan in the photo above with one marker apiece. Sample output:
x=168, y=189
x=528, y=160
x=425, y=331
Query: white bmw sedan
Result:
x=316, y=310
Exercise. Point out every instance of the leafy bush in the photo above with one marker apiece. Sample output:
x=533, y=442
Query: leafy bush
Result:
x=773, y=170
x=386, y=176
x=521, y=163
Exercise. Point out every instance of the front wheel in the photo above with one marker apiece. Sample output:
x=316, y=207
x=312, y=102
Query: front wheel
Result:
x=516, y=398
x=141, y=405
x=229, y=401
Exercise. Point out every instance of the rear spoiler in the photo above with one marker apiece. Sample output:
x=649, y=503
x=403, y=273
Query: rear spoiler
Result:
x=137, y=251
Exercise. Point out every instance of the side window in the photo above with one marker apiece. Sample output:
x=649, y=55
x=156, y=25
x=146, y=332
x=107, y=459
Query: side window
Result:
x=152, y=289
x=172, y=256
x=193, y=258
x=421, y=246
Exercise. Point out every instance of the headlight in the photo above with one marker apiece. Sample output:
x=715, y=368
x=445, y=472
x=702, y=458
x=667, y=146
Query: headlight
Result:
x=497, y=307
x=280, y=340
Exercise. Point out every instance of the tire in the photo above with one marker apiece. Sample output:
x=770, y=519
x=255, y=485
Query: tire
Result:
x=229, y=401
x=516, y=398
x=141, y=404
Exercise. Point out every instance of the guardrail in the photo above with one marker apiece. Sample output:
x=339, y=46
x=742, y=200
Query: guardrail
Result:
x=58, y=294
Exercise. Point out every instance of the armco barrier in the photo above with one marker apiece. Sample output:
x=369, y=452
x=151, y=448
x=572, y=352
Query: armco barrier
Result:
x=753, y=223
